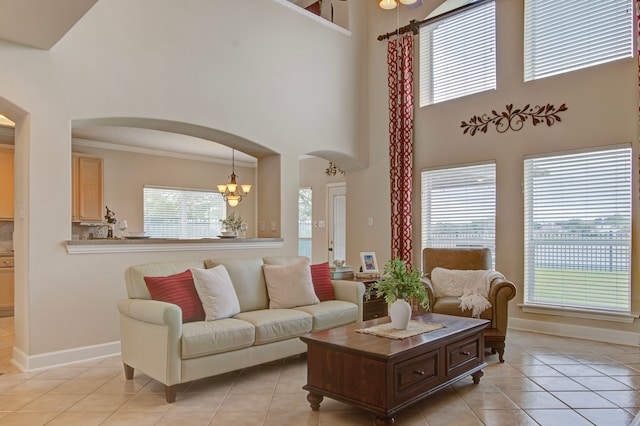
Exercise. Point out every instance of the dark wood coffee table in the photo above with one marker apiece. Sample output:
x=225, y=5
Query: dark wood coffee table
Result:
x=385, y=375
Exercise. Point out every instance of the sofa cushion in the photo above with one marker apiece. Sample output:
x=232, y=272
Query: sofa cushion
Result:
x=331, y=313
x=450, y=305
x=134, y=275
x=210, y=337
x=216, y=292
x=321, y=277
x=273, y=325
x=178, y=289
x=289, y=285
x=248, y=280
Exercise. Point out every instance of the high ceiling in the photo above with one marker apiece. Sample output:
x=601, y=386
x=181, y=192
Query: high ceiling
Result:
x=43, y=23
x=38, y=23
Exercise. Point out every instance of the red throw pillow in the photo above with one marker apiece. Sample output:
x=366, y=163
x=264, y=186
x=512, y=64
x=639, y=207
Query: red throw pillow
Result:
x=321, y=277
x=180, y=290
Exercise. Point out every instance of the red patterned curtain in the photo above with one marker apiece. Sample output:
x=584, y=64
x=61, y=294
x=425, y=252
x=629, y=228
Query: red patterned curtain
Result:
x=400, y=63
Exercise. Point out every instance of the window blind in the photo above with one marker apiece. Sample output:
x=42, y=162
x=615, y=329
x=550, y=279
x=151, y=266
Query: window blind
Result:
x=459, y=207
x=458, y=55
x=563, y=36
x=305, y=218
x=182, y=213
x=578, y=230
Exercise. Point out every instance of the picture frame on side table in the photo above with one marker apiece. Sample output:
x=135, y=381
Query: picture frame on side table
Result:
x=368, y=262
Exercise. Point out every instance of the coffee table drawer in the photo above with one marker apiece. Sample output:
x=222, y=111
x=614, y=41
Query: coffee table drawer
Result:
x=463, y=352
x=416, y=374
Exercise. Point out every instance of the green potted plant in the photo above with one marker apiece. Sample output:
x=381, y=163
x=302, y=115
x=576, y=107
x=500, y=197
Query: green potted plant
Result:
x=400, y=282
x=231, y=225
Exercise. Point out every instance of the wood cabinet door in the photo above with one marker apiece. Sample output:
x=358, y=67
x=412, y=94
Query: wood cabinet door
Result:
x=6, y=184
x=89, y=189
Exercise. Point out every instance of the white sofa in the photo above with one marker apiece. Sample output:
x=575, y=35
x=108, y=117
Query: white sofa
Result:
x=155, y=341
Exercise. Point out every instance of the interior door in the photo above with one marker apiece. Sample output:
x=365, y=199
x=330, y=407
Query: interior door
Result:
x=336, y=221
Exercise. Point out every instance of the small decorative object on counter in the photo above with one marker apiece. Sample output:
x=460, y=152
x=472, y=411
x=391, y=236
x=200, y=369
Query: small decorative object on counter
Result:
x=231, y=225
x=111, y=221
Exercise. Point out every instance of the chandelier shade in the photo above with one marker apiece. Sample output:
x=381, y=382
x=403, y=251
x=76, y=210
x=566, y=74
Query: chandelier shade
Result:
x=233, y=192
x=392, y=4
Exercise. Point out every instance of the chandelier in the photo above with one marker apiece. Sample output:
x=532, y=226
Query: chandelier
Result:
x=392, y=4
x=232, y=192
x=333, y=169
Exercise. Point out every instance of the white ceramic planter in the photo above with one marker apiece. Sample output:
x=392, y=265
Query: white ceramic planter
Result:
x=400, y=313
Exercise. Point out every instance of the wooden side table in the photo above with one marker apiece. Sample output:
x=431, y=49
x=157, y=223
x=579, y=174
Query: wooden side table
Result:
x=375, y=307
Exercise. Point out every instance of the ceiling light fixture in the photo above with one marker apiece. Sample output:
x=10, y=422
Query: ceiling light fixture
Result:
x=232, y=192
x=392, y=4
x=333, y=169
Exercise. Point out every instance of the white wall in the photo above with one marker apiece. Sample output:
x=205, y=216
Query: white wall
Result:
x=248, y=68
x=602, y=110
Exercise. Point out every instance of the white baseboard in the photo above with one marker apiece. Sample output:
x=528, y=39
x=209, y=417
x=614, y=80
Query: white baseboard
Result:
x=60, y=358
x=580, y=332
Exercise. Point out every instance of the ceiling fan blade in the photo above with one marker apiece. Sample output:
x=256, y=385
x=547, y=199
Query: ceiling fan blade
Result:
x=415, y=5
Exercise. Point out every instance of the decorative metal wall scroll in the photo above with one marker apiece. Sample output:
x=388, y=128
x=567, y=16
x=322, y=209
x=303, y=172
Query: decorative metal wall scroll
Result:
x=513, y=119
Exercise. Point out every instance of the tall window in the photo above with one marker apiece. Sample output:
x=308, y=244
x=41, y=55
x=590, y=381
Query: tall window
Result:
x=566, y=35
x=578, y=230
x=182, y=213
x=458, y=54
x=305, y=228
x=459, y=207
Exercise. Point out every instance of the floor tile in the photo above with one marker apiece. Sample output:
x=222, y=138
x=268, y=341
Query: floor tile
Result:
x=583, y=400
x=504, y=417
x=601, y=383
x=623, y=399
x=69, y=418
x=607, y=417
x=535, y=400
x=551, y=384
x=558, y=418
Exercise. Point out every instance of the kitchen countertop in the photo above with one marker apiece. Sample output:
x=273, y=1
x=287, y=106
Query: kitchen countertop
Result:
x=117, y=245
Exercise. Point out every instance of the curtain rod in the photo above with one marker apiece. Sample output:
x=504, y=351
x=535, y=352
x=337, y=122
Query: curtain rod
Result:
x=414, y=25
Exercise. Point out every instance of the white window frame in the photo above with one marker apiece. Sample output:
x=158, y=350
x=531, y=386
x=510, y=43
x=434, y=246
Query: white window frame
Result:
x=462, y=194
x=561, y=36
x=305, y=225
x=458, y=53
x=570, y=201
x=207, y=224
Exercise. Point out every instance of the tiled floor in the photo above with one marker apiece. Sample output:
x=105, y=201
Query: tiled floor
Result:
x=545, y=380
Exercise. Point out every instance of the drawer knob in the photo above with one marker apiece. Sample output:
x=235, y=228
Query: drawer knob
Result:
x=465, y=353
x=419, y=372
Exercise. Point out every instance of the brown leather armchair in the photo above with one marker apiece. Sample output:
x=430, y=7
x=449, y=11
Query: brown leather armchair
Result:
x=500, y=292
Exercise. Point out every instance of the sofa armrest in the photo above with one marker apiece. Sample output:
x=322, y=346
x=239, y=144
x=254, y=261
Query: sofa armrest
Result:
x=429, y=286
x=500, y=292
x=350, y=291
x=152, y=311
x=151, y=333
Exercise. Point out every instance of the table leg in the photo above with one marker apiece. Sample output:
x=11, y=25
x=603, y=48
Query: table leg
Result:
x=476, y=376
x=383, y=421
x=315, y=400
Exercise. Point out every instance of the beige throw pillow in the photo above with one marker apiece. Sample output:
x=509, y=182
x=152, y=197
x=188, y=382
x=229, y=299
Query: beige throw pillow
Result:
x=218, y=296
x=289, y=285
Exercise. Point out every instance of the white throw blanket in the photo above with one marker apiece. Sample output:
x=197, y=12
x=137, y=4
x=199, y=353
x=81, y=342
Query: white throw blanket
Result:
x=472, y=287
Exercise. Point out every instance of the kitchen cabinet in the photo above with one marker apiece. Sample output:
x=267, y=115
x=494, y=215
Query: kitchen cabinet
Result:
x=87, y=189
x=6, y=184
x=6, y=286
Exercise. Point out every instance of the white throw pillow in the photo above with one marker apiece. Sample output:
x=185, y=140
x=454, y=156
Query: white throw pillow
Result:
x=290, y=285
x=218, y=297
